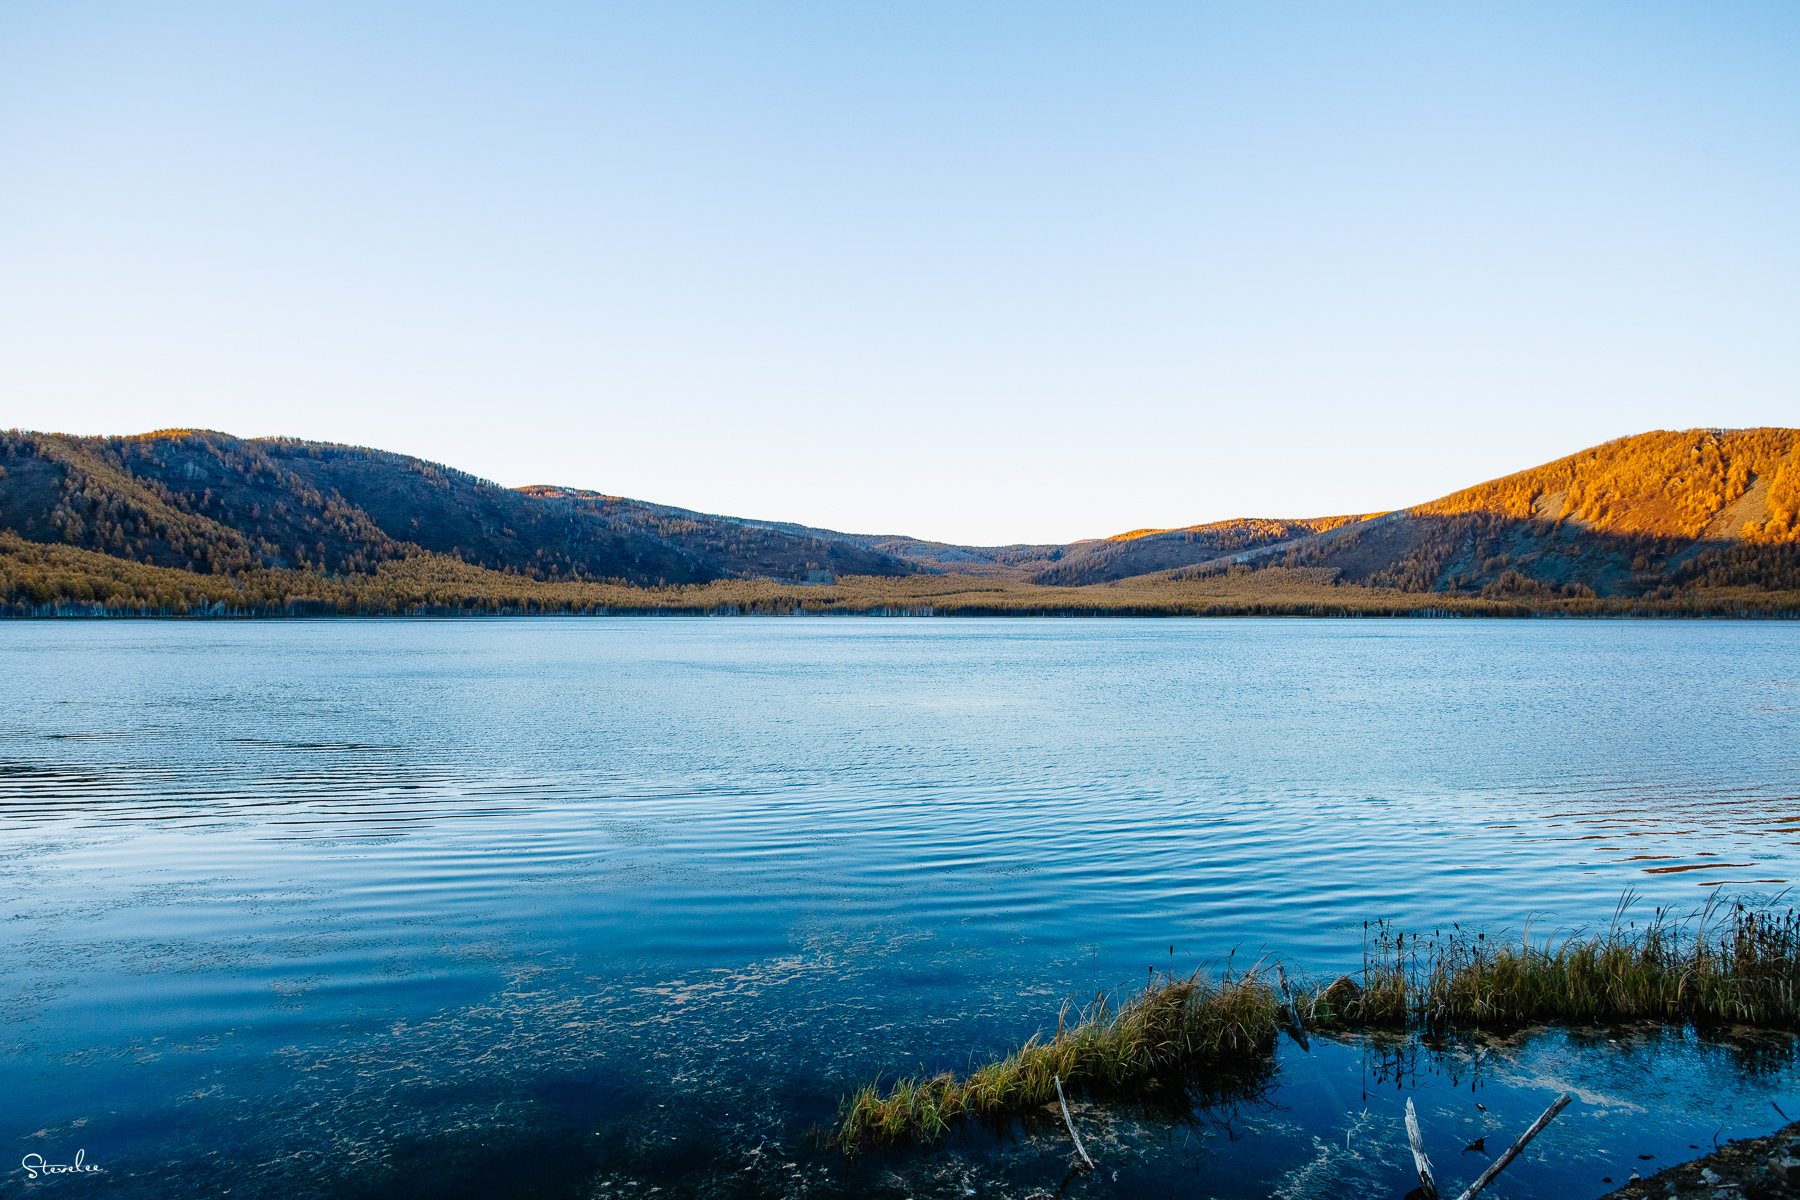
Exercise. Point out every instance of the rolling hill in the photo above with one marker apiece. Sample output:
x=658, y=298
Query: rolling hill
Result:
x=1641, y=515
x=1698, y=520
x=194, y=499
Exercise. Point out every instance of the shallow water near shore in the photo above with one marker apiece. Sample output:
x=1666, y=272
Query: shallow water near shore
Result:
x=590, y=907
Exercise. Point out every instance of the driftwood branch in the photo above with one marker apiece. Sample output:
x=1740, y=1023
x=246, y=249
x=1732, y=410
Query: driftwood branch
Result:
x=1499, y=1165
x=1427, y=1184
x=1290, y=1011
x=1070, y=1122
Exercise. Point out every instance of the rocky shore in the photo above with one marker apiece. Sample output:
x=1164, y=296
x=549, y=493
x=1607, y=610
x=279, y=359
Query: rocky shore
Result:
x=1748, y=1168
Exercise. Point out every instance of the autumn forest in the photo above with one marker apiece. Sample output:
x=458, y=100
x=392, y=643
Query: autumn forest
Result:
x=191, y=522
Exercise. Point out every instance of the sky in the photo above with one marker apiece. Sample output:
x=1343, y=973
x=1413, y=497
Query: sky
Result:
x=981, y=272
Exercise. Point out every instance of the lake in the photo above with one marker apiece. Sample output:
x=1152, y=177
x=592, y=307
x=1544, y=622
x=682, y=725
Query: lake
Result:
x=601, y=907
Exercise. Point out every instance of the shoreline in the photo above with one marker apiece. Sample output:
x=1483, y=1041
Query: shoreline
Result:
x=77, y=611
x=1751, y=1168
x=62, y=581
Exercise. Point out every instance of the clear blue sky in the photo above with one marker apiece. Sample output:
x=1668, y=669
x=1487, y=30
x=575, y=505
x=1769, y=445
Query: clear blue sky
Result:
x=983, y=272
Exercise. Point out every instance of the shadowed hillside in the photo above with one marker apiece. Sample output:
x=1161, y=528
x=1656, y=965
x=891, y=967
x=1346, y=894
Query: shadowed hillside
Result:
x=1146, y=550
x=1017, y=561
x=218, y=504
x=1105, y=560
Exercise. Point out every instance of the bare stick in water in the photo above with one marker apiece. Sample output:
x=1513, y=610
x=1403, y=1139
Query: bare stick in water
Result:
x=1070, y=1122
x=1537, y=1127
x=1427, y=1184
x=1290, y=1011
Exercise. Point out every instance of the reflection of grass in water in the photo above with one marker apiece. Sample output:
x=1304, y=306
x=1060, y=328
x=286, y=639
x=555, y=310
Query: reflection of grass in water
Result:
x=1727, y=961
x=1173, y=1026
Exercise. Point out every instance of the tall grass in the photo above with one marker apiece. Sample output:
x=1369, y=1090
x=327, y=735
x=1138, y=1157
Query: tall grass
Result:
x=1175, y=1024
x=1726, y=961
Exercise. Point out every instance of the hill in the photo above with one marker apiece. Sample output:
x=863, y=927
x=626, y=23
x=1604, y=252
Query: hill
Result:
x=1701, y=521
x=209, y=502
x=1649, y=514
x=1143, y=551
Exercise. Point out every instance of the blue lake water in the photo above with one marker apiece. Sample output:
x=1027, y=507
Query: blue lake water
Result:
x=595, y=907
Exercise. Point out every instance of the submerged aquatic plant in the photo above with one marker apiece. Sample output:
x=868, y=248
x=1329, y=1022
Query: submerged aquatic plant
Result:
x=1175, y=1024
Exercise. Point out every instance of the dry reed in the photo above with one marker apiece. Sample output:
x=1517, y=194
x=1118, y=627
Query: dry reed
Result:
x=1726, y=961
x=1175, y=1024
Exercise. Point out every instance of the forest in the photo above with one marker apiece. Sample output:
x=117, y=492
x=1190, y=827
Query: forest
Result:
x=217, y=504
x=189, y=523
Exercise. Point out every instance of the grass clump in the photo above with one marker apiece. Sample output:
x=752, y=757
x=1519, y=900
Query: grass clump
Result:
x=1726, y=961
x=1176, y=1023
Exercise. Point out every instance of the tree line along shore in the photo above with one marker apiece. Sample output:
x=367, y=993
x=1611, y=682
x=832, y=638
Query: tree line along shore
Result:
x=39, y=580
